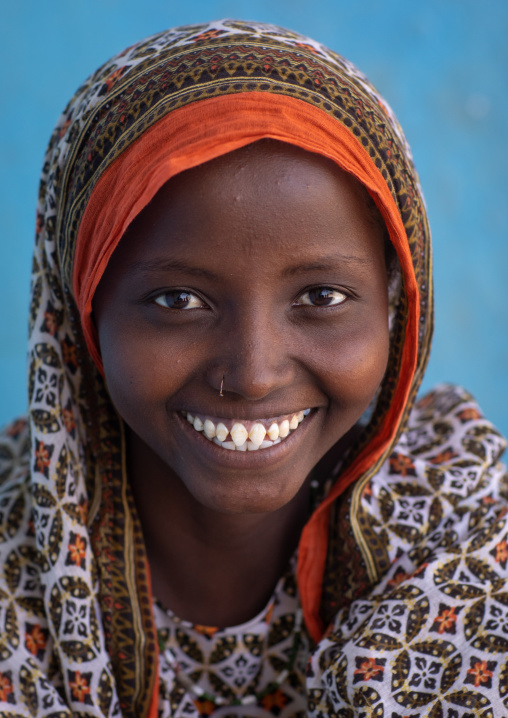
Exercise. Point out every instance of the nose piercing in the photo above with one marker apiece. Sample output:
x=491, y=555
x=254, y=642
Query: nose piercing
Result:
x=221, y=385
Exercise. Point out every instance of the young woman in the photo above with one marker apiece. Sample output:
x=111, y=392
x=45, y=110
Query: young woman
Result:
x=225, y=500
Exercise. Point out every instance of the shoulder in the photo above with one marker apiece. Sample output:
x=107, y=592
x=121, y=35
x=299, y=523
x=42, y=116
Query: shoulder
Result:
x=16, y=526
x=26, y=646
x=447, y=427
x=14, y=451
x=14, y=465
x=445, y=466
x=429, y=637
x=443, y=476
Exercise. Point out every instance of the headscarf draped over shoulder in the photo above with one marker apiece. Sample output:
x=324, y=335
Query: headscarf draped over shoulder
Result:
x=76, y=599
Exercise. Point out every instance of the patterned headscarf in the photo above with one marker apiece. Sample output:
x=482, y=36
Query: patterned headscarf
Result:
x=85, y=531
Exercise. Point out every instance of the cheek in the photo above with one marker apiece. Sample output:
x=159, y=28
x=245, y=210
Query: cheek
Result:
x=140, y=374
x=353, y=364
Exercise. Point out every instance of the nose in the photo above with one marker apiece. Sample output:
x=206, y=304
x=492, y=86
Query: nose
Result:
x=253, y=357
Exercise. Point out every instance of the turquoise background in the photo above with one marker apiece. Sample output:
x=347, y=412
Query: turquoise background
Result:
x=441, y=64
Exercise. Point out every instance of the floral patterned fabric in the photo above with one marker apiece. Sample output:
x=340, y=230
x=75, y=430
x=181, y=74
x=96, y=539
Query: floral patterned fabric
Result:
x=413, y=588
x=431, y=638
x=237, y=661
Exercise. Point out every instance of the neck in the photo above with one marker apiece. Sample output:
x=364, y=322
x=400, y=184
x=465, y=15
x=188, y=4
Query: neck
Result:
x=210, y=568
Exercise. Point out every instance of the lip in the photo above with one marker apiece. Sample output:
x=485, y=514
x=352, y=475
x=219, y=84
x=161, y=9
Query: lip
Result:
x=246, y=459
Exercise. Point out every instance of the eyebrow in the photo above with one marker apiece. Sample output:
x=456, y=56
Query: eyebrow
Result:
x=152, y=266
x=327, y=264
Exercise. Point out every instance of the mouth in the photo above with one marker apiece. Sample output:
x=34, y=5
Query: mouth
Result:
x=236, y=435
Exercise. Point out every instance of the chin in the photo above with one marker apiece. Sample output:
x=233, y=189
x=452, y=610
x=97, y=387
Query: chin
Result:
x=246, y=500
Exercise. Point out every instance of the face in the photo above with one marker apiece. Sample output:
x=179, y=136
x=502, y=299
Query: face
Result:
x=260, y=272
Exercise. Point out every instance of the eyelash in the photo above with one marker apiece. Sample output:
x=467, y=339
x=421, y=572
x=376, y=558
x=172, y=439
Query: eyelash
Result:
x=323, y=288
x=200, y=304
x=179, y=293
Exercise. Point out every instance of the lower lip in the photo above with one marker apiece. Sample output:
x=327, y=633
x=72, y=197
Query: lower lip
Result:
x=247, y=459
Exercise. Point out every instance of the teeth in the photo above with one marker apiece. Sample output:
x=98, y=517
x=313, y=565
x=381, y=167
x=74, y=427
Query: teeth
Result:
x=284, y=429
x=209, y=429
x=221, y=432
x=273, y=431
x=239, y=434
x=240, y=439
x=257, y=434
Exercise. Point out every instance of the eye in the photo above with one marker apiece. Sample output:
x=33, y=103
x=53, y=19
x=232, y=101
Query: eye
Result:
x=322, y=297
x=179, y=299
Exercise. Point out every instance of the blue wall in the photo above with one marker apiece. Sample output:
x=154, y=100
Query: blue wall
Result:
x=441, y=64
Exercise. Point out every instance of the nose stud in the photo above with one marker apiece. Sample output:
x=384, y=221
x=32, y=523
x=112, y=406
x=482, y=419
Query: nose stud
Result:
x=221, y=385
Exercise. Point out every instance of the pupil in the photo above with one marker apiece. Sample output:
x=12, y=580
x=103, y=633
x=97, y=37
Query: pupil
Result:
x=322, y=296
x=179, y=299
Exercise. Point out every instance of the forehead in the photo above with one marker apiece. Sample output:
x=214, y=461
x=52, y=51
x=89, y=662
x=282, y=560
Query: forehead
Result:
x=266, y=200
x=264, y=178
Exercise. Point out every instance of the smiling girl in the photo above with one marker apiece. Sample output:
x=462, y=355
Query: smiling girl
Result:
x=226, y=501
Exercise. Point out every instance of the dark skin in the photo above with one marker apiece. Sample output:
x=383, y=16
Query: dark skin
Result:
x=263, y=267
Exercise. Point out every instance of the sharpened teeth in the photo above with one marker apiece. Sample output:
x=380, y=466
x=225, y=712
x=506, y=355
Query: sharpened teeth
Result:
x=293, y=424
x=257, y=434
x=284, y=429
x=239, y=434
x=241, y=438
x=209, y=429
x=273, y=431
x=221, y=432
